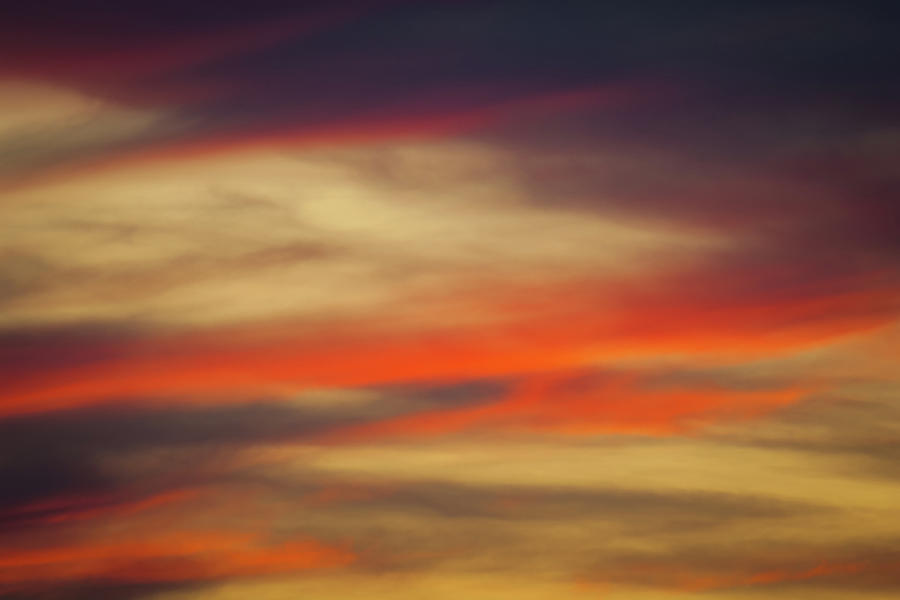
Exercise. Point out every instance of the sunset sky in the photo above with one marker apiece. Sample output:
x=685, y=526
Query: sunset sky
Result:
x=446, y=300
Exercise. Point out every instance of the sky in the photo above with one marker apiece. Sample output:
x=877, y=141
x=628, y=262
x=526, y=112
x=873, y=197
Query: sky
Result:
x=429, y=300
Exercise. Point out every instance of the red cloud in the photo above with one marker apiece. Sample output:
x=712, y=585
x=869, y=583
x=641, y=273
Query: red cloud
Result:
x=173, y=557
x=557, y=403
x=548, y=330
x=73, y=508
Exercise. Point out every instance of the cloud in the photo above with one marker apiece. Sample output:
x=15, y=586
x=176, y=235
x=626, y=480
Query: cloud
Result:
x=48, y=125
x=636, y=462
x=448, y=300
x=540, y=335
x=571, y=404
x=92, y=463
x=488, y=286
x=171, y=557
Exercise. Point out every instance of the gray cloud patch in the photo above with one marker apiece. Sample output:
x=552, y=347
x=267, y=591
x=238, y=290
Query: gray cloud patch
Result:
x=61, y=454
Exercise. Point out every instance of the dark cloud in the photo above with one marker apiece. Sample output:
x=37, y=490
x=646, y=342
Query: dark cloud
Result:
x=812, y=181
x=378, y=61
x=112, y=427
x=31, y=475
x=38, y=349
x=53, y=463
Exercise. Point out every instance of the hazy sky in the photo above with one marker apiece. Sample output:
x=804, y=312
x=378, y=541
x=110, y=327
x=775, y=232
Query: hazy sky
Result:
x=449, y=300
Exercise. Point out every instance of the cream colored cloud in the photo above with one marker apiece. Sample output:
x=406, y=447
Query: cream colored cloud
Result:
x=42, y=124
x=31, y=104
x=266, y=234
x=821, y=511
x=418, y=586
x=661, y=464
x=451, y=586
x=848, y=512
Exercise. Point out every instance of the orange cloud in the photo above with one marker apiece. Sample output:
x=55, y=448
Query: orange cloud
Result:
x=556, y=330
x=173, y=557
x=72, y=508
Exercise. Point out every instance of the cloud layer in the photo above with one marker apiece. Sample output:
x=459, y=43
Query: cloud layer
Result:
x=449, y=299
